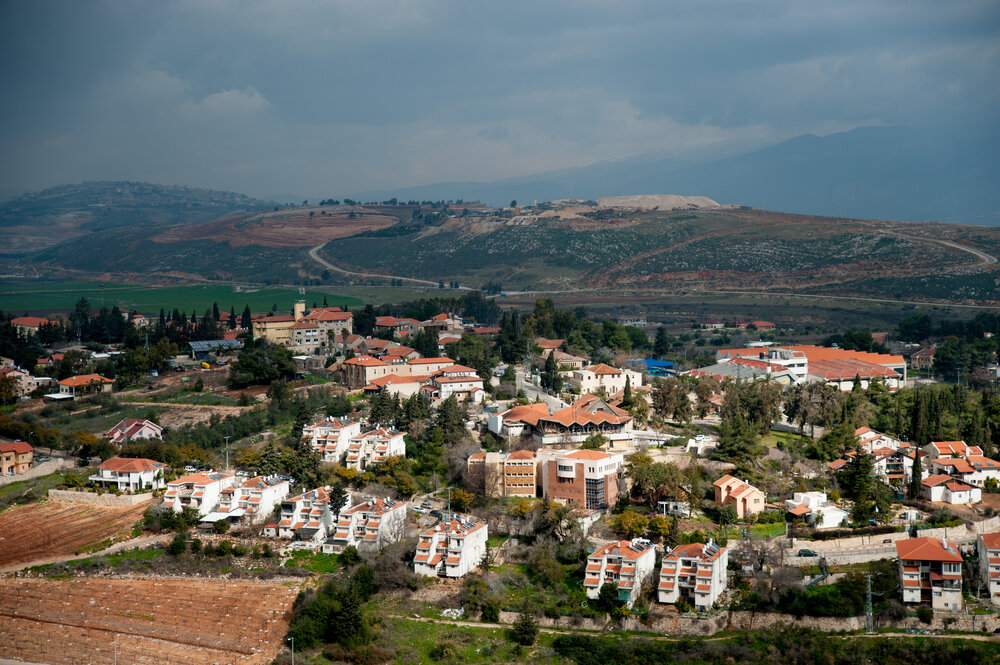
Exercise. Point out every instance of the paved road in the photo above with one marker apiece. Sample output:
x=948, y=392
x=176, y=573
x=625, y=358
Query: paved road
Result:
x=533, y=393
x=314, y=253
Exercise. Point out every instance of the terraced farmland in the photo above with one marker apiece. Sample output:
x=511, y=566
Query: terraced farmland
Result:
x=65, y=622
x=52, y=528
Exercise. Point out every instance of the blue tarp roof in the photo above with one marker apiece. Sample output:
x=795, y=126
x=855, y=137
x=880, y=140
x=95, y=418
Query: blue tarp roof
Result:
x=650, y=363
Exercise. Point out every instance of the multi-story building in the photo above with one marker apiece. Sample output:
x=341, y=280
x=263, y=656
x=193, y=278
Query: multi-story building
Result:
x=869, y=440
x=626, y=564
x=251, y=501
x=462, y=382
x=501, y=475
x=988, y=547
x=517, y=421
x=741, y=495
x=814, y=507
x=370, y=525
x=331, y=437
x=15, y=457
x=604, y=377
x=363, y=370
x=132, y=474
x=199, y=491
x=930, y=571
x=131, y=429
x=588, y=415
x=696, y=571
x=450, y=549
x=309, y=516
x=584, y=478
x=374, y=446
x=962, y=461
x=320, y=326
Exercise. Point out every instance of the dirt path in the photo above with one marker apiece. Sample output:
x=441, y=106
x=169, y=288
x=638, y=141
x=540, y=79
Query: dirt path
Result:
x=984, y=258
x=314, y=253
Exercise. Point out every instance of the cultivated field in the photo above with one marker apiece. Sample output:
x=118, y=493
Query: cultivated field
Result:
x=156, y=621
x=52, y=528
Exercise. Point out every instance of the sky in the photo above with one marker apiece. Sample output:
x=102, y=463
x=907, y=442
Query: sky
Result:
x=327, y=98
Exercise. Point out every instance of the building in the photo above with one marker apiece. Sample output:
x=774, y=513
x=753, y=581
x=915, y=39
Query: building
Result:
x=832, y=365
x=130, y=474
x=363, y=370
x=930, y=571
x=131, y=429
x=331, y=437
x=85, y=384
x=962, y=461
x=603, y=377
x=583, y=478
x=401, y=327
x=200, y=491
x=741, y=495
x=518, y=421
x=370, y=525
x=626, y=564
x=450, y=549
x=988, y=547
x=24, y=382
x=251, y=501
x=373, y=446
x=922, y=359
x=948, y=489
x=502, y=475
x=587, y=416
x=696, y=571
x=320, y=327
x=816, y=510
x=15, y=457
x=309, y=516
x=29, y=324
x=869, y=439
x=462, y=382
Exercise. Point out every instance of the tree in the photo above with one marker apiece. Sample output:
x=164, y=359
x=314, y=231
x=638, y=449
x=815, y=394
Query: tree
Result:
x=461, y=500
x=261, y=363
x=246, y=319
x=178, y=545
x=607, y=597
x=525, y=628
x=630, y=523
x=594, y=442
x=915, y=488
x=220, y=526
x=661, y=344
x=551, y=379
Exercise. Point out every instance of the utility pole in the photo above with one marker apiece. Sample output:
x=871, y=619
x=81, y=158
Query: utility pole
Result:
x=869, y=622
x=227, y=453
x=116, y=648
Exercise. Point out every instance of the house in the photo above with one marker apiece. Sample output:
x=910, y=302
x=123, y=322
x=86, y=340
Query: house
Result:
x=744, y=497
x=502, y=475
x=85, y=384
x=363, y=370
x=370, y=525
x=961, y=461
x=603, y=377
x=567, y=361
x=251, y=501
x=15, y=457
x=584, y=478
x=947, y=489
x=588, y=415
x=373, y=446
x=696, y=571
x=832, y=365
x=309, y=516
x=930, y=572
x=988, y=547
x=131, y=429
x=869, y=439
x=450, y=549
x=816, y=510
x=401, y=327
x=393, y=384
x=130, y=474
x=29, y=324
x=547, y=345
x=626, y=564
x=199, y=491
x=517, y=421
x=458, y=380
x=922, y=359
x=331, y=437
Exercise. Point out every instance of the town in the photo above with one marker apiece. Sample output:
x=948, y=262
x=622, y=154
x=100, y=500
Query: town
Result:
x=536, y=468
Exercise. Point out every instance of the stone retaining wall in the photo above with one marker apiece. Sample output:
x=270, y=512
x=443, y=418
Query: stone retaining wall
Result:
x=95, y=499
x=43, y=469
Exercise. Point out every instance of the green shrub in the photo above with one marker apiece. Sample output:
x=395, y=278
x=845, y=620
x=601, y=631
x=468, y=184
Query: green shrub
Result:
x=925, y=614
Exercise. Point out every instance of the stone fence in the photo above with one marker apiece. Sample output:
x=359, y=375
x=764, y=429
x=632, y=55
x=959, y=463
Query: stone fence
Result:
x=94, y=499
x=43, y=469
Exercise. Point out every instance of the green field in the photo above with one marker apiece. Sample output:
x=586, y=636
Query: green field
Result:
x=49, y=296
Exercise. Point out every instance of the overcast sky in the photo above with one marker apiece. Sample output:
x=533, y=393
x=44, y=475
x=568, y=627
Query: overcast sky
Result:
x=327, y=98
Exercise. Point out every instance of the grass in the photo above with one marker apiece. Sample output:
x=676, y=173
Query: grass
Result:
x=785, y=438
x=317, y=562
x=112, y=560
x=46, y=296
x=39, y=488
x=101, y=419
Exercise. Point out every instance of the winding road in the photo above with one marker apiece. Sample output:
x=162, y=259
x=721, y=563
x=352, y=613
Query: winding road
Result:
x=314, y=253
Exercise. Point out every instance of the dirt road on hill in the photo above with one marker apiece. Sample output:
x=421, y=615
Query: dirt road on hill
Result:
x=314, y=253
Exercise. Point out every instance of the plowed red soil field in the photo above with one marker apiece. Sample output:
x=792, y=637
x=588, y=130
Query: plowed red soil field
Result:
x=156, y=621
x=278, y=229
x=53, y=528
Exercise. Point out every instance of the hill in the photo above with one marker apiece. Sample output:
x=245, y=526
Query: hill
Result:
x=894, y=173
x=33, y=222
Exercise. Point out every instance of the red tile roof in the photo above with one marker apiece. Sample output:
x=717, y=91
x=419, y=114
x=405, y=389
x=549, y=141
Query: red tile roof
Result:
x=927, y=549
x=84, y=380
x=131, y=465
x=19, y=447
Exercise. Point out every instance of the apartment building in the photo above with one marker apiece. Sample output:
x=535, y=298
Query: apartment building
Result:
x=502, y=475
x=331, y=437
x=584, y=478
x=741, y=495
x=962, y=462
x=626, y=564
x=363, y=370
x=15, y=458
x=450, y=549
x=603, y=377
x=869, y=439
x=370, y=525
x=373, y=446
x=458, y=380
x=696, y=571
x=310, y=516
x=251, y=501
x=130, y=474
x=930, y=571
x=200, y=491
x=319, y=325
x=988, y=547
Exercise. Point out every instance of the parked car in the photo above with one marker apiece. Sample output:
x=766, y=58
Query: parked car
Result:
x=191, y=469
x=807, y=553
x=43, y=458
x=425, y=504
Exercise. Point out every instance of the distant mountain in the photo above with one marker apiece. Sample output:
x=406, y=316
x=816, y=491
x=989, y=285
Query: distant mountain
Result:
x=891, y=173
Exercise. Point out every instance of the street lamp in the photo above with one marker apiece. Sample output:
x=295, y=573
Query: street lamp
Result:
x=293, y=649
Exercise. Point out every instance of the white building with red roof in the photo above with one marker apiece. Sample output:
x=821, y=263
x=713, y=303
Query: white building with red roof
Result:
x=85, y=384
x=962, y=461
x=309, y=517
x=988, y=547
x=835, y=366
x=948, y=489
x=596, y=377
x=816, y=510
x=869, y=439
x=450, y=549
x=130, y=474
x=29, y=324
x=401, y=327
x=375, y=445
x=626, y=564
x=696, y=571
x=458, y=380
x=741, y=495
x=368, y=526
x=331, y=437
x=131, y=429
x=930, y=572
x=199, y=491
x=517, y=421
x=251, y=501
